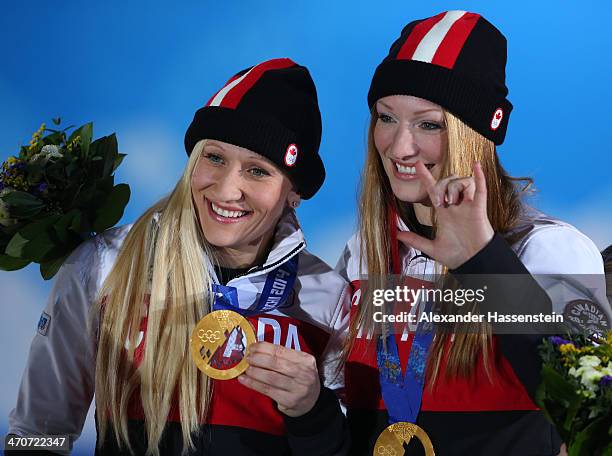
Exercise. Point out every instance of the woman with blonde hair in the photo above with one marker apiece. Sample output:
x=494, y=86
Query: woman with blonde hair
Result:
x=437, y=204
x=226, y=238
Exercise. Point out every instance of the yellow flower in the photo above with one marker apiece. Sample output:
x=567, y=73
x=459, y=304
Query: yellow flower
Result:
x=567, y=349
x=36, y=136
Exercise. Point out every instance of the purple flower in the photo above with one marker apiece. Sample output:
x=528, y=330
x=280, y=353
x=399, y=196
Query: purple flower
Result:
x=17, y=165
x=556, y=340
x=605, y=381
x=40, y=188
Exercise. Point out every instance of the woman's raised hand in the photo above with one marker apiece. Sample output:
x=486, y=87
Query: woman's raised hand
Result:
x=288, y=377
x=463, y=227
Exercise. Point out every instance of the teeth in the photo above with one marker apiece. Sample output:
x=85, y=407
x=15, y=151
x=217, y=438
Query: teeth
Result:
x=405, y=169
x=229, y=214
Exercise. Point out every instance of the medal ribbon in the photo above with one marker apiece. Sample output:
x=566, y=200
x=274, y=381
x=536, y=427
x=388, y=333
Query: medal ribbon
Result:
x=403, y=394
x=276, y=291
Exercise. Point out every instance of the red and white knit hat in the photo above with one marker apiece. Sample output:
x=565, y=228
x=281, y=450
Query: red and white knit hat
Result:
x=271, y=109
x=455, y=59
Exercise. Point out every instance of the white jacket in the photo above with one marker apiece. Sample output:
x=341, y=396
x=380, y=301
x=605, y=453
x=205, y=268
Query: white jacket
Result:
x=58, y=382
x=565, y=263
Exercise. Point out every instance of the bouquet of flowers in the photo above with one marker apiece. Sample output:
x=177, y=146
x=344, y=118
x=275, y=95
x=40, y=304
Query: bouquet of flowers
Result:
x=58, y=192
x=576, y=392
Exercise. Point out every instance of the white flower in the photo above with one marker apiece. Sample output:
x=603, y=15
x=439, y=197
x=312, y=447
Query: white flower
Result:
x=573, y=372
x=47, y=153
x=51, y=151
x=590, y=377
x=588, y=394
x=590, y=372
x=589, y=360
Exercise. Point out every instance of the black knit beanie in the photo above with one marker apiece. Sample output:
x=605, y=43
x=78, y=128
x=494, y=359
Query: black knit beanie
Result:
x=271, y=109
x=455, y=59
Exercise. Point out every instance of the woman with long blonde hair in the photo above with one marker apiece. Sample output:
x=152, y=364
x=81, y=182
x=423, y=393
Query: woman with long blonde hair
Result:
x=226, y=238
x=435, y=205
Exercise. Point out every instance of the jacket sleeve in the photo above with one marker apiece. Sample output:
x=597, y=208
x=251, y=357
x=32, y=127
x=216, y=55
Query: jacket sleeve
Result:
x=57, y=385
x=323, y=430
x=554, y=267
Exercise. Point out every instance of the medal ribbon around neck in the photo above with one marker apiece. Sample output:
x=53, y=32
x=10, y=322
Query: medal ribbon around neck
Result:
x=403, y=394
x=276, y=291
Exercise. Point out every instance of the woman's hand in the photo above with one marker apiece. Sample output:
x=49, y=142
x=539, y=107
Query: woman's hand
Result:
x=288, y=377
x=463, y=227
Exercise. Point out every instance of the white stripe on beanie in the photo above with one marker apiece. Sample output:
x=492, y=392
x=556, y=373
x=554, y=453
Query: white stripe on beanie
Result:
x=221, y=95
x=430, y=43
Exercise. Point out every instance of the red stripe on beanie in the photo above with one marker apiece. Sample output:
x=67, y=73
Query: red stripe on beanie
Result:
x=233, y=97
x=453, y=42
x=233, y=78
x=418, y=32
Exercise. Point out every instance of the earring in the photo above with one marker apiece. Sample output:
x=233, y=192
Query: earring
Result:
x=294, y=203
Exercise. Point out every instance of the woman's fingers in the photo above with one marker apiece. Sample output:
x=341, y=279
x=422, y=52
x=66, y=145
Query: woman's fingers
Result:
x=299, y=367
x=428, y=181
x=285, y=399
x=278, y=351
x=272, y=378
x=452, y=190
x=271, y=369
x=272, y=362
x=287, y=376
x=480, y=195
x=460, y=189
x=418, y=242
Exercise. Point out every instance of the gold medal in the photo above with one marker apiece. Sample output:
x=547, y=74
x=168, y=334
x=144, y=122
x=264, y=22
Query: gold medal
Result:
x=219, y=342
x=391, y=441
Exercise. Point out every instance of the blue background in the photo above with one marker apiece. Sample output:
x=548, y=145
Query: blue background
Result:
x=141, y=70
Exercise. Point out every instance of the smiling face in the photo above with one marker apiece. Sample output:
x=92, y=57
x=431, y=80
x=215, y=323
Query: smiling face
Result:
x=240, y=196
x=409, y=129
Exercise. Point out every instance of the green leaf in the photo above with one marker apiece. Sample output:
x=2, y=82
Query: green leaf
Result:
x=559, y=400
x=591, y=438
x=36, y=229
x=59, y=251
x=110, y=155
x=75, y=226
x=54, y=138
x=118, y=161
x=16, y=245
x=33, y=241
x=64, y=224
x=57, y=120
x=22, y=204
x=106, y=149
x=36, y=249
x=9, y=263
x=72, y=168
x=22, y=199
x=557, y=387
x=50, y=268
x=112, y=210
x=86, y=133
